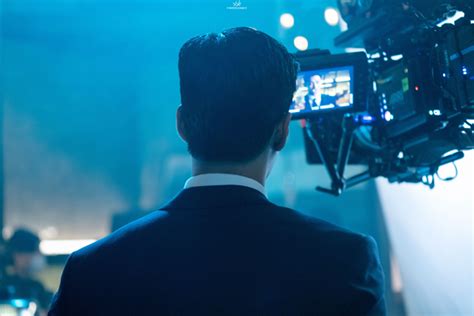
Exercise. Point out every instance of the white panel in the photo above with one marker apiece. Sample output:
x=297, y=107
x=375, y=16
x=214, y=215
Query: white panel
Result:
x=431, y=233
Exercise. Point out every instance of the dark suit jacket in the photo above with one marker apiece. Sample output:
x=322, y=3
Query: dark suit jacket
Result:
x=224, y=250
x=325, y=100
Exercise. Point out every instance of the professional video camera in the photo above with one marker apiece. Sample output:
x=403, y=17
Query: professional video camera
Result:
x=403, y=107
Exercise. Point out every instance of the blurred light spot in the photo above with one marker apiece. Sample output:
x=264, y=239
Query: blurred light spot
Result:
x=396, y=275
x=7, y=232
x=63, y=247
x=19, y=303
x=331, y=16
x=374, y=55
x=287, y=20
x=396, y=57
x=342, y=25
x=301, y=43
x=355, y=50
x=49, y=232
x=32, y=308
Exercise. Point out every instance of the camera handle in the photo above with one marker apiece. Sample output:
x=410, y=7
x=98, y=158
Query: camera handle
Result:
x=335, y=169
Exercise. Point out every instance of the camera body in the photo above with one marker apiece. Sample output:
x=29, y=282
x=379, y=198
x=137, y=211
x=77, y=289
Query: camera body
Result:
x=409, y=104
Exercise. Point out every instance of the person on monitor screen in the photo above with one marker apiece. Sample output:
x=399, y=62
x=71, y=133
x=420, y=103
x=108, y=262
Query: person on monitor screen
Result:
x=220, y=247
x=316, y=98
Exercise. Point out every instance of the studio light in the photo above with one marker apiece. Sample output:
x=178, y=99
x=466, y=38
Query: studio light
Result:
x=331, y=16
x=287, y=20
x=301, y=43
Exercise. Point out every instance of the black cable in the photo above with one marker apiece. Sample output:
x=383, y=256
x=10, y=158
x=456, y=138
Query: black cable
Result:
x=456, y=172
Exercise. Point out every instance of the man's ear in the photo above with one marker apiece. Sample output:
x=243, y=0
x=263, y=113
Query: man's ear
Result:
x=281, y=133
x=180, y=124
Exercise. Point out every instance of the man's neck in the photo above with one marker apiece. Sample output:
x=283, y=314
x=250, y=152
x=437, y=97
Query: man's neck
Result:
x=253, y=170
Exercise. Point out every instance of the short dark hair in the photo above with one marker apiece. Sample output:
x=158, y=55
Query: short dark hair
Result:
x=236, y=86
x=23, y=241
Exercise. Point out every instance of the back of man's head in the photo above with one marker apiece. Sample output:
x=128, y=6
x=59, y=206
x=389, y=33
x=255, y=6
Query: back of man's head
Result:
x=236, y=87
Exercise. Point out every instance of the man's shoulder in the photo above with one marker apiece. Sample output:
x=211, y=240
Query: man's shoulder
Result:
x=311, y=232
x=320, y=227
x=123, y=240
x=347, y=253
x=324, y=237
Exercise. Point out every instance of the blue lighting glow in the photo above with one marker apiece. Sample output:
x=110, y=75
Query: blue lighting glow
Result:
x=366, y=119
x=19, y=303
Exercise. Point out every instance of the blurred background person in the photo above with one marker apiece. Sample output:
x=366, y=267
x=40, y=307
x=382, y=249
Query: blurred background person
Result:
x=25, y=261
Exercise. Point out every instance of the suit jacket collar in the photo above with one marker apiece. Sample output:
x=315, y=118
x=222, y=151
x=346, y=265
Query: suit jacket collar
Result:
x=222, y=196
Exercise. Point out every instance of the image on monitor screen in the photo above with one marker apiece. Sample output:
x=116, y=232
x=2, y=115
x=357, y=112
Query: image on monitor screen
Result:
x=323, y=90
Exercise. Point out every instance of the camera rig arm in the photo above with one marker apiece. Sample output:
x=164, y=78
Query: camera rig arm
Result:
x=395, y=170
x=336, y=168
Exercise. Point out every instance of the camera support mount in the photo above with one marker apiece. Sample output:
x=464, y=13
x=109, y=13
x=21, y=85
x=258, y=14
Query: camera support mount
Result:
x=336, y=168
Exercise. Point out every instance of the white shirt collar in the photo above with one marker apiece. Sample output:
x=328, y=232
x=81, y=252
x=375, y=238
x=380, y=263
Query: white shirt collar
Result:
x=212, y=179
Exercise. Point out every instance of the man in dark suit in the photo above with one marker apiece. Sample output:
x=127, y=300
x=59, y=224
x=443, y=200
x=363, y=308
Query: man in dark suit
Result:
x=316, y=98
x=220, y=247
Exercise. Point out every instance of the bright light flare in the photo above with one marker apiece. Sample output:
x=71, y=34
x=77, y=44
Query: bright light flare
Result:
x=287, y=20
x=301, y=43
x=331, y=16
x=63, y=247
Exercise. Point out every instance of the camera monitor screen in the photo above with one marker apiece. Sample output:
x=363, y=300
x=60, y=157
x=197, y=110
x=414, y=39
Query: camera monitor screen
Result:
x=323, y=90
